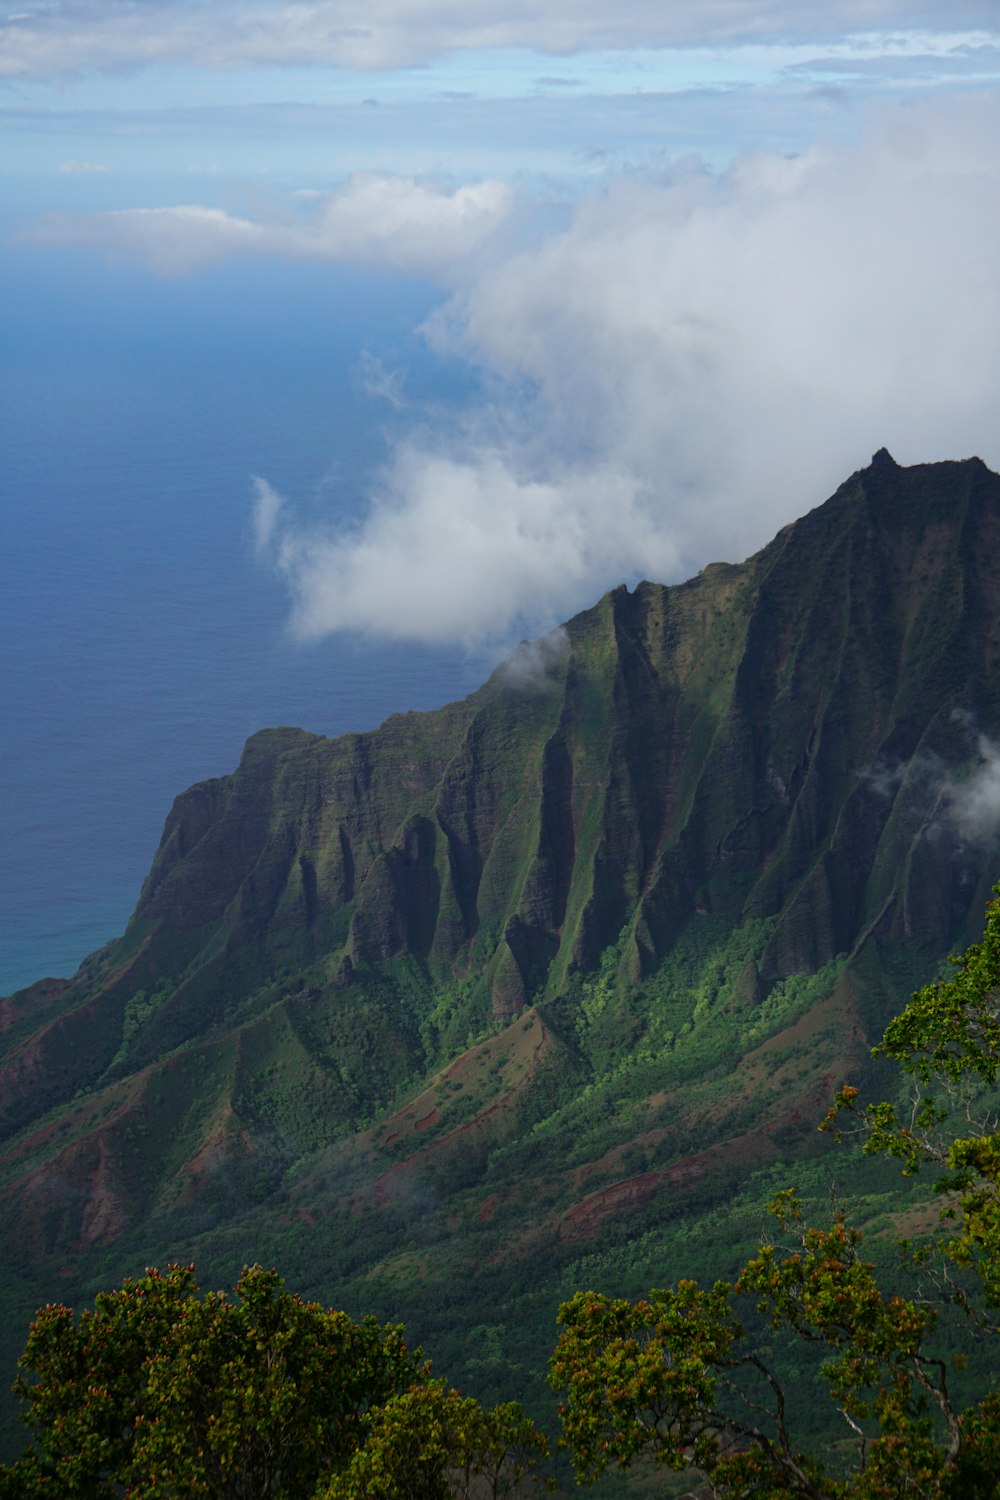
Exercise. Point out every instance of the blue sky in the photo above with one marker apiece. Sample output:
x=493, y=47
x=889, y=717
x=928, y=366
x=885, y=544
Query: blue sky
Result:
x=702, y=257
x=280, y=94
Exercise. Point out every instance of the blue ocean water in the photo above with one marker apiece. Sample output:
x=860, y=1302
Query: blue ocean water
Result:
x=142, y=641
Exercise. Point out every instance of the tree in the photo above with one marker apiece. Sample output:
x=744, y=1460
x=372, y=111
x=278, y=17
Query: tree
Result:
x=89, y=1382
x=167, y=1393
x=158, y=1392
x=680, y=1378
x=431, y=1443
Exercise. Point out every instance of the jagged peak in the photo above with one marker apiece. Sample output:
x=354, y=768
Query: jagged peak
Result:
x=883, y=461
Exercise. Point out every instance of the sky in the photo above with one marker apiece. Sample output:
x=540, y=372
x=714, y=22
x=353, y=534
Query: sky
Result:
x=700, y=258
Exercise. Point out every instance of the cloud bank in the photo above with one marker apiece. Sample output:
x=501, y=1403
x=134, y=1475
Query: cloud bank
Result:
x=671, y=366
x=376, y=219
x=45, y=37
x=466, y=550
x=692, y=361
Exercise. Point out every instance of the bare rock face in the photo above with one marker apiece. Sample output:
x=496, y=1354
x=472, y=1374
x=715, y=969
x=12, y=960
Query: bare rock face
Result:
x=781, y=748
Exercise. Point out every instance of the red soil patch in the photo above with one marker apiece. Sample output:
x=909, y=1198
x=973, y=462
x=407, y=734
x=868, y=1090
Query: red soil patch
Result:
x=512, y=1054
x=105, y=1215
x=221, y=1146
x=85, y=1169
x=31, y=1001
x=128, y=963
x=583, y=1220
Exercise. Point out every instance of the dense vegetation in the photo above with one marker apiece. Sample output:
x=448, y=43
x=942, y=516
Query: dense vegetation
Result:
x=158, y=1391
x=685, y=1376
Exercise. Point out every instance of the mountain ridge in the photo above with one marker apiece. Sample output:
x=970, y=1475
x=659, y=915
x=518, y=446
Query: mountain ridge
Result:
x=548, y=964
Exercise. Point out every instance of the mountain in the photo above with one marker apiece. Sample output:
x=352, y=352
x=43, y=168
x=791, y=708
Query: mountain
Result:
x=426, y=1015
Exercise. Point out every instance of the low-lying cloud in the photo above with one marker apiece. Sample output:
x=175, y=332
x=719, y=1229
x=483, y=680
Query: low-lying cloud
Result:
x=533, y=666
x=465, y=550
x=961, y=795
x=688, y=363
x=972, y=802
x=267, y=508
x=376, y=219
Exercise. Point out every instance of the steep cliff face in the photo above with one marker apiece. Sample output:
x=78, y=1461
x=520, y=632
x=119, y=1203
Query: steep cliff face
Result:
x=775, y=748
x=711, y=745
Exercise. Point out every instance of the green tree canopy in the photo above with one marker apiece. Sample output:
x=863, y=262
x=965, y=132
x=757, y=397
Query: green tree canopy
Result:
x=158, y=1391
x=682, y=1376
x=431, y=1443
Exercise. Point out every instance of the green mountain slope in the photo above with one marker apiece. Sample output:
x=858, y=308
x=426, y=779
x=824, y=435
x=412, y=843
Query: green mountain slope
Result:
x=429, y=1013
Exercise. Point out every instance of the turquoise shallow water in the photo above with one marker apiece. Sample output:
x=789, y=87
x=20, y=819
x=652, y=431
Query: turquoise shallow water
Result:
x=141, y=639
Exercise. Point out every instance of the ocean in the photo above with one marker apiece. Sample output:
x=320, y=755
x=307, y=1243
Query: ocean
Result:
x=142, y=639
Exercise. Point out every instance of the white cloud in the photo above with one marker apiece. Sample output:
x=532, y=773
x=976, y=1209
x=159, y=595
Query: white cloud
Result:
x=267, y=507
x=532, y=666
x=381, y=383
x=71, y=168
x=963, y=802
x=375, y=219
x=169, y=240
x=51, y=36
x=973, y=803
x=691, y=363
x=460, y=549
